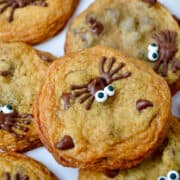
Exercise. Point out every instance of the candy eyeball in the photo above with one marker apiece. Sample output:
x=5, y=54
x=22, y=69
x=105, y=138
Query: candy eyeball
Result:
x=153, y=56
x=101, y=96
x=162, y=178
x=7, y=109
x=153, y=47
x=1, y=108
x=109, y=90
x=173, y=175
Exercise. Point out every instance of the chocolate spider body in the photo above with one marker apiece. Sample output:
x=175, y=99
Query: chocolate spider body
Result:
x=167, y=51
x=15, y=4
x=12, y=122
x=88, y=91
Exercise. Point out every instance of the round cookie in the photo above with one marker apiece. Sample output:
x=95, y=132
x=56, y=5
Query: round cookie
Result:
x=165, y=160
x=22, y=71
x=99, y=109
x=133, y=27
x=19, y=167
x=33, y=21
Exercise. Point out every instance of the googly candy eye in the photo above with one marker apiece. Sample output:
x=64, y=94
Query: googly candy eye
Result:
x=1, y=108
x=162, y=178
x=101, y=96
x=153, y=47
x=7, y=109
x=153, y=56
x=109, y=90
x=173, y=175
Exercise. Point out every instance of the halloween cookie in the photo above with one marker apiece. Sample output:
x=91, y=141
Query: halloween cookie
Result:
x=19, y=167
x=22, y=71
x=100, y=110
x=33, y=21
x=163, y=165
x=137, y=28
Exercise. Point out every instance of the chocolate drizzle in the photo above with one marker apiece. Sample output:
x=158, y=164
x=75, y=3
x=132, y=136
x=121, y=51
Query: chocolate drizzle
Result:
x=88, y=91
x=15, y=4
x=167, y=51
x=13, y=122
x=65, y=143
x=142, y=104
x=17, y=176
x=96, y=26
x=151, y=2
x=111, y=173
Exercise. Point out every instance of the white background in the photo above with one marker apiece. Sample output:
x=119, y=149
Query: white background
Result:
x=56, y=47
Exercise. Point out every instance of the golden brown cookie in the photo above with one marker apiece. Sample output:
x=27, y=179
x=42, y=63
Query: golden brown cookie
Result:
x=19, y=167
x=22, y=71
x=162, y=164
x=33, y=21
x=99, y=109
x=141, y=29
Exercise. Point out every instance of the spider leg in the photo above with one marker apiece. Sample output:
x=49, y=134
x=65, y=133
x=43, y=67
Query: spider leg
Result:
x=116, y=70
x=76, y=87
x=89, y=104
x=173, y=37
x=167, y=36
x=165, y=68
x=80, y=93
x=111, y=63
x=4, y=7
x=103, y=60
x=2, y=2
x=175, y=65
x=11, y=16
x=84, y=98
x=18, y=126
x=122, y=76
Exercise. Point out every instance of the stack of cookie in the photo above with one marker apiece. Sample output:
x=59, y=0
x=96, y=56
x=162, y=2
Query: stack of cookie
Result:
x=105, y=107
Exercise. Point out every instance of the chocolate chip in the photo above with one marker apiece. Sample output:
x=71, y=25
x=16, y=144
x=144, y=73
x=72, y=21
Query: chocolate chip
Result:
x=65, y=143
x=142, y=104
x=5, y=73
x=111, y=173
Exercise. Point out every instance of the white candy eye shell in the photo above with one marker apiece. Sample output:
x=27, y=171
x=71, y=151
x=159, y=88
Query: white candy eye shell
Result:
x=1, y=108
x=101, y=96
x=153, y=55
x=7, y=109
x=162, y=178
x=109, y=90
x=173, y=175
x=153, y=47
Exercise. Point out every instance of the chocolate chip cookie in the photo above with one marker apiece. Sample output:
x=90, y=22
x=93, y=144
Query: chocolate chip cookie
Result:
x=33, y=21
x=22, y=71
x=164, y=163
x=143, y=29
x=99, y=109
x=19, y=167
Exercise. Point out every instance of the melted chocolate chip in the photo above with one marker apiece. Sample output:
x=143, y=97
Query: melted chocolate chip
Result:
x=111, y=173
x=96, y=26
x=151, y=2
x=10, y=122
x=143, y=104
x=5, y=73
x=66, y=100
x=15, y=4
x=65, y=143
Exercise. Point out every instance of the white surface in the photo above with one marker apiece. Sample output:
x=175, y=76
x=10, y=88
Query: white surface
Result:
x=56, y=47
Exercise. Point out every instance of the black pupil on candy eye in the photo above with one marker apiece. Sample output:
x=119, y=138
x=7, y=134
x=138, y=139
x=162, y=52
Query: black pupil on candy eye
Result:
x=162, y=178
x=153, y=44
x=9, y=107
x=173, y=176
x=154, y=55
x=110, y=88
x=100, y=95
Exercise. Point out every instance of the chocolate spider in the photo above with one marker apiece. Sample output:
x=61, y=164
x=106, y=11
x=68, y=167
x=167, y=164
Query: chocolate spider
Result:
x=15, y=4
x=99, y=88
x=13, y=122
x=17, y=176
x=164, y=53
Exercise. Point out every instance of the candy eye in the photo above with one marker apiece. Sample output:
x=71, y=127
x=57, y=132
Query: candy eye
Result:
x=101, y=96
x=162, y=178
x=109, y=90
x=153, y=47
x=173, y=175
x=153, y=56
x=7, y=109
